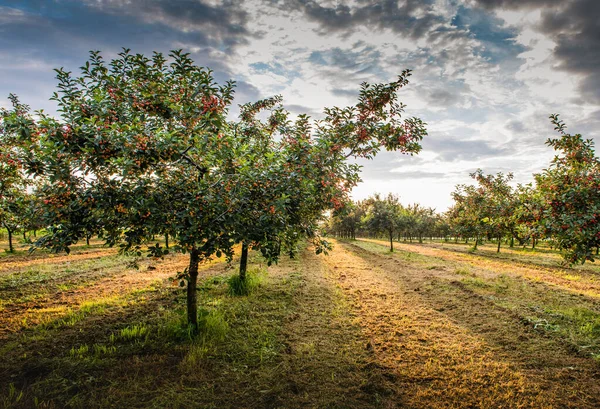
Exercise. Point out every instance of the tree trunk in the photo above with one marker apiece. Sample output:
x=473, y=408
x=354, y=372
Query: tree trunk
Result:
x=167, y=240
x=512, y=241
x=499, y=241
x=87, y=239
x=192, y=299
x=244, y=261
x=476, y=242
x=24, y=235
x=35, y=233
x=391, y=241
x=533, y=244
x=11, y=249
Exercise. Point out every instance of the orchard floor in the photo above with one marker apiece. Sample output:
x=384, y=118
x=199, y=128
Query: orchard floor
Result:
x=425, y=326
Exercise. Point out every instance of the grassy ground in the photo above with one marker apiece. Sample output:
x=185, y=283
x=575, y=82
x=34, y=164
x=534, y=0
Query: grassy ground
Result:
x=429, y=325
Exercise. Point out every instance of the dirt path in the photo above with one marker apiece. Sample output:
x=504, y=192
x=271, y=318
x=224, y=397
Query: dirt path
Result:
x=450, y=348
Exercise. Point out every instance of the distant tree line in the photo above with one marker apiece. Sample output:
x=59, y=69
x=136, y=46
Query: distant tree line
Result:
x=561, y=208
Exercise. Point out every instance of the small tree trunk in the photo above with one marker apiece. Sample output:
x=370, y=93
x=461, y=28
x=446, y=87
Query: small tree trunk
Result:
x=244, y=261
x=597, y=250
x=192, y=300
x=167, y=240
x=512, y=241
x=87, y=239
x=499, y=241
x=391, y=241
x=11, y=249
x=476, y=242
x=533, y=243
x=34, y=233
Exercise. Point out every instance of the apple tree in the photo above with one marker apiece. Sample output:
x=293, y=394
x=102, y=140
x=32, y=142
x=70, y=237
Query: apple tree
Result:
x=570, y=194
x=143, y=147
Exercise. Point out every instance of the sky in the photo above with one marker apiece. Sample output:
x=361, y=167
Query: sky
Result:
x=486, y=73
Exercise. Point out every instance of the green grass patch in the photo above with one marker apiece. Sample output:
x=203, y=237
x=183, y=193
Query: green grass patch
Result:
x=135, y=332
x=584, y=322
x=476, y=282
x=464, y=272
x=239, y=287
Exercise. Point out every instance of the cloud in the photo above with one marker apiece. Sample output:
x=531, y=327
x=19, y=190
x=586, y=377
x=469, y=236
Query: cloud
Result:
x=443, y=97
x=37, y=36
x=515, y=4
x=486, y=73
x=452, y=149
x=573, y=27
x=224, y=22
x=414, y=18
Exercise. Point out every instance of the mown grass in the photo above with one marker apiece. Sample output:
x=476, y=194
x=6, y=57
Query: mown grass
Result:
x=572, y=317
x=541, y=256
x=133, y=350
x=287, y=342
x=290, y=341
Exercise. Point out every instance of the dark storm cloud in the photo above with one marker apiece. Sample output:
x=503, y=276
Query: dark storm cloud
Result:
x=414, y=18
x=576, y=29
x=36, y=36
x=225, y=23
x=516, y=4
x=574, y=25
x=53, y=29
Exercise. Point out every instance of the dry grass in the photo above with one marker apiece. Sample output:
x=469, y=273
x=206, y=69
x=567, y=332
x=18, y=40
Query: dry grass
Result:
x=363, y=328
x=497, y=308
x=580, y=280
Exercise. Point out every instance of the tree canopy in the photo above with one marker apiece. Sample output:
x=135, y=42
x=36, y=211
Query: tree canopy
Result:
x=145, y=146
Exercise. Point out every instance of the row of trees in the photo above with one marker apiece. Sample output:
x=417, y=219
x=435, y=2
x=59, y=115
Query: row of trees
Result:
x=145, y=146
x=562, y=207
x=386, y=216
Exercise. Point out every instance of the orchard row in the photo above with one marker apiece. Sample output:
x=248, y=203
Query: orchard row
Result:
x=146, y=146
x=561, y=207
